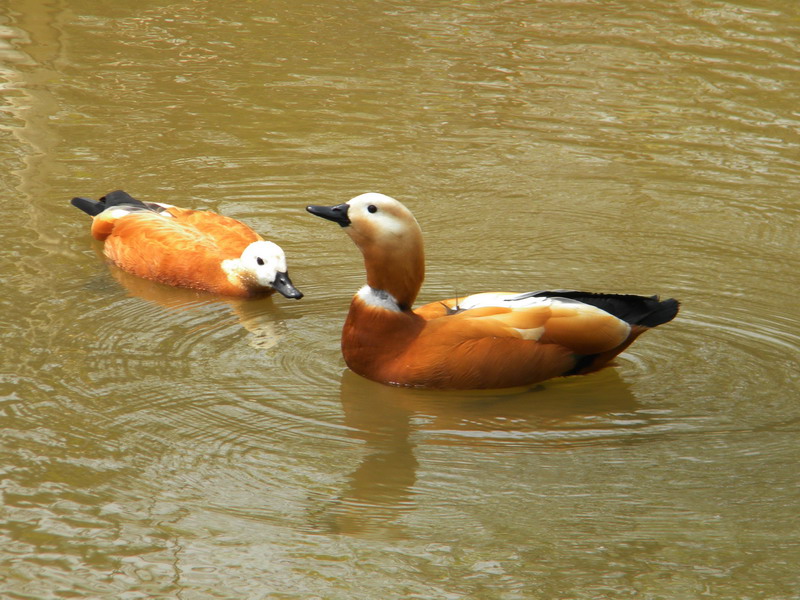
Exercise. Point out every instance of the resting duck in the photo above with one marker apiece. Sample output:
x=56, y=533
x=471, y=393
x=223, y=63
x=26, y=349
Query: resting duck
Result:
x=187, y=248
x=483, y=341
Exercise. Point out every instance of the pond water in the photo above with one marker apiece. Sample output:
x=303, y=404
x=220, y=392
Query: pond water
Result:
x=164, y=443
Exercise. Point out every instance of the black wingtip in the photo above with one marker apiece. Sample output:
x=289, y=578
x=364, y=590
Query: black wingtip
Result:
x=115, y=198
x=648, y=311
x=663, y=312
x=90, y=207
x=118, y=197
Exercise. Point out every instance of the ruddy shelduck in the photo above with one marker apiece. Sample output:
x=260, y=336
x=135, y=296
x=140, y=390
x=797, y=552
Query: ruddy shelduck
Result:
x=483, y=341
x=187, y=248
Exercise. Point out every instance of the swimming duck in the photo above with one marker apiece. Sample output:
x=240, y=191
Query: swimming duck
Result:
x=187, y=248
x=483, y=341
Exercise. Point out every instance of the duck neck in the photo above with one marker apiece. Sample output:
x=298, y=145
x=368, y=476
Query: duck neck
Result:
x=397, y=270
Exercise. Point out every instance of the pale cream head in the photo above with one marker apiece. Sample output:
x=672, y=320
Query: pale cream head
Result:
x=381, y=217
x=391, y=241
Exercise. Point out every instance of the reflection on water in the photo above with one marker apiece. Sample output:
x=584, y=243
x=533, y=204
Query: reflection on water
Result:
x=392, y=421
x=164, y=443
x=261, y=318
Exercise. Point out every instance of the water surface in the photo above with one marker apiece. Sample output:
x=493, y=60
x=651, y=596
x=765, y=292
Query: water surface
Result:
x=166, y=443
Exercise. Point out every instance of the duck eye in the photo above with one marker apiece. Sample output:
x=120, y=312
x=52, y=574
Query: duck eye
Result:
x=372, y=208
x=260, y=261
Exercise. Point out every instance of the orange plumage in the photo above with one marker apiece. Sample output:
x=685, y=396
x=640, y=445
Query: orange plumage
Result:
x=483, y=341
x=187, y=248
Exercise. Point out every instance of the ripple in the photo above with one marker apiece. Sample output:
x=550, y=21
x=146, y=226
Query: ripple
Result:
x=758, y=344
x=187, y=379
x=171, y=444
x=574, y=410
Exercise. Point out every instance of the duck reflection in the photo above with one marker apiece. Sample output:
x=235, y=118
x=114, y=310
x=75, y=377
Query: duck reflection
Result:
x=393, y=421
x=261, y=317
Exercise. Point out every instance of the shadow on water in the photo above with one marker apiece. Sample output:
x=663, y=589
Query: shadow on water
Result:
x=393, y=422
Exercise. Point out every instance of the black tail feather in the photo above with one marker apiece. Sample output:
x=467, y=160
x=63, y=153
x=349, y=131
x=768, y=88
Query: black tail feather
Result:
x=115, y=198
x=90, y=207
x=635, y=310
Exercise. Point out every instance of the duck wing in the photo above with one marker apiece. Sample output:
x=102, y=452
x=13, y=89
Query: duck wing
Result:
x=163, y=249
x=579, y=328
x=648, y=311
x=230, y=235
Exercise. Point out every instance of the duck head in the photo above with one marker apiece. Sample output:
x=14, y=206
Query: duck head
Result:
x=390, y=239
x=263, y=265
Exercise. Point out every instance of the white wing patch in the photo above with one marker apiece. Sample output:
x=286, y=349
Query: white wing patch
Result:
x=117, y=212
x=531, y=334
x=163, y=205
x=503, y=299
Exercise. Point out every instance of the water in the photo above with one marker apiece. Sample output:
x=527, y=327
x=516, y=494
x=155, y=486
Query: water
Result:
x=166, y=443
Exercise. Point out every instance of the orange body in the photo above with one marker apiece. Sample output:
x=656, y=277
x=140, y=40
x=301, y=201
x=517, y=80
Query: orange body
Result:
x=185, y=251
x=480, y=348
x=484, y=341
x=187, y=248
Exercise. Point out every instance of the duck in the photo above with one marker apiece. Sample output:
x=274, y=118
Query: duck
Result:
x=187, y=248
x=487, y=340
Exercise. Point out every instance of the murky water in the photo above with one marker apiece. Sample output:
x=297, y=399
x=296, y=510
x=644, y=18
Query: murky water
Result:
x=165, y=443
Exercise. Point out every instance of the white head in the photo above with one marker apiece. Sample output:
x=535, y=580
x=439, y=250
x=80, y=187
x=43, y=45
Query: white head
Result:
x=263, y=264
